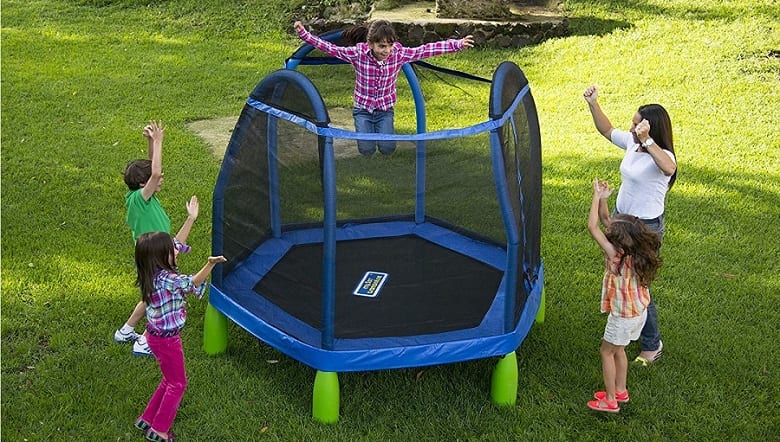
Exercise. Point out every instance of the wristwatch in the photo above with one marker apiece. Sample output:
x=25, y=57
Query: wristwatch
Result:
x=648, y=142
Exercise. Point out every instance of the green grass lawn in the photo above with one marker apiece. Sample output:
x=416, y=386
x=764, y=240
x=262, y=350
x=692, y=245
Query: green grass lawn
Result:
x=80, y=78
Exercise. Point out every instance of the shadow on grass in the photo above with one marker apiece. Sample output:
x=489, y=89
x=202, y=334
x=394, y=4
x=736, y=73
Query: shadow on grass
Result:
x=598, y=26
x=706, y=11
x=717, y=224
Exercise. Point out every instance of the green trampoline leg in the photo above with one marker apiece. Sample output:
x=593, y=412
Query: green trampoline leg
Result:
x=503, y=389
x=540, y=313
x=214, y=331
x=325, y=403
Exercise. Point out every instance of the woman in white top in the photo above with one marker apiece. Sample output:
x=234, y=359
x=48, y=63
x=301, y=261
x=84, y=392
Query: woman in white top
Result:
x=648, y=171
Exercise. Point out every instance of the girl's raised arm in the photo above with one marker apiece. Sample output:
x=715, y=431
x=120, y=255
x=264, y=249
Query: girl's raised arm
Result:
x=600, y=190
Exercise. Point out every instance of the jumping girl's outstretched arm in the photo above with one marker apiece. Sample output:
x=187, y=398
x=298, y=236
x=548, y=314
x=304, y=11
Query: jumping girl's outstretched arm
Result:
x=435, y=48
x=346, y=53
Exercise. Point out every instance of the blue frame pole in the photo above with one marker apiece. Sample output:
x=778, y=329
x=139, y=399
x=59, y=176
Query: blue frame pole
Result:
x=512, y=249
x=273, y=177
x=329, y=246
x=419, y=108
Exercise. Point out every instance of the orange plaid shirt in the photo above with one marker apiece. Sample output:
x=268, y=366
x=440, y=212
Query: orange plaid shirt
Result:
x=621, y=293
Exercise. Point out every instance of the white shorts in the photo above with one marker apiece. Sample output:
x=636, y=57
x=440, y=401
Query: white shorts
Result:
x=621, y=331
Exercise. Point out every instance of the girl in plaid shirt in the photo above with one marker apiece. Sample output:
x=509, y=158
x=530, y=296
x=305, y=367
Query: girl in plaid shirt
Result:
x=163, y=290
x=631, y=254
x=377, y=62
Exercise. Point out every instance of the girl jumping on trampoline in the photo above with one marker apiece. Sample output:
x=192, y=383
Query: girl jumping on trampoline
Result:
x=377, y=62
x=163, y=290
x=631, y=252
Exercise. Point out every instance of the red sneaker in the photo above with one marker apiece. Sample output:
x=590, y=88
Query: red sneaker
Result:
x=602, y=405
x=621, y=396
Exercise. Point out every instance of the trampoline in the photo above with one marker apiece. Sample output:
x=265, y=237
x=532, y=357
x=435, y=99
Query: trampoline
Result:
x=427, y=256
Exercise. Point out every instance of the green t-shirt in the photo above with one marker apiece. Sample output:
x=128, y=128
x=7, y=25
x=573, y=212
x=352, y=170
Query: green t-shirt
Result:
x=145, y=216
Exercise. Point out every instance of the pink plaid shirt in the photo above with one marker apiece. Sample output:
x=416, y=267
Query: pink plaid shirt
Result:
x=165, y=311
x=375, y=80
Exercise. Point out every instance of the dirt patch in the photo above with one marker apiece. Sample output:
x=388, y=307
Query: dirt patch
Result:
x=217, y=132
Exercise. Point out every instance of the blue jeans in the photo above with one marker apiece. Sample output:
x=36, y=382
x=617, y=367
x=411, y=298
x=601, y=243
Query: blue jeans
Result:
x=380, y=122
x=650, y=338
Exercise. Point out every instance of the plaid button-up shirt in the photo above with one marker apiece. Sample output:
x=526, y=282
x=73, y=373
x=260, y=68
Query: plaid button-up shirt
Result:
x=621, y=293
x=375, y=81
x=166, y=313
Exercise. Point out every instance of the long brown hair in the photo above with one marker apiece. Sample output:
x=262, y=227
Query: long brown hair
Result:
x=381, y=31
x=153, y=252
x=660, y=130
x=631, y=236
x=356, y=34
x=376, y=31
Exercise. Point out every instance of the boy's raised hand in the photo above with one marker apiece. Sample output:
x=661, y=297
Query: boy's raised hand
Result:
x=154, y=130
x=298, y=26
x=193, y=207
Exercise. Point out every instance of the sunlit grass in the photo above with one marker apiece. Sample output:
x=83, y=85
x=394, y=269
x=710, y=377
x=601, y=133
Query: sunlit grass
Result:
x=81, y=77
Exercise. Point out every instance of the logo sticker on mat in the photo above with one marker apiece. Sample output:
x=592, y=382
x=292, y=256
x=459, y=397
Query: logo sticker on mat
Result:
x=371, y=284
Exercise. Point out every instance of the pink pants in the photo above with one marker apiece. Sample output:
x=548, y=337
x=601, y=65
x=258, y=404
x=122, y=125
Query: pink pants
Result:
x=164, y=404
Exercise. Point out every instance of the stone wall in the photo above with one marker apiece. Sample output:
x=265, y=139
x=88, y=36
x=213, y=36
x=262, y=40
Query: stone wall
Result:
x=473, y=9
x=489, y=9
x=486, y=34
x=530, y=23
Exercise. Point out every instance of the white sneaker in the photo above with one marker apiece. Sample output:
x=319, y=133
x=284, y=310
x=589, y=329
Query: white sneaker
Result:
x=119, y=336
x=141, y=348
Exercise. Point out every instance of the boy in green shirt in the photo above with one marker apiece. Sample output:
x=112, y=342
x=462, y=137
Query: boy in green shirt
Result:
x=145, y=214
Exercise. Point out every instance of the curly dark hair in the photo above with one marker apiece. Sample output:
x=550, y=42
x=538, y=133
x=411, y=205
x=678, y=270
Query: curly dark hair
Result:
x=632, y=237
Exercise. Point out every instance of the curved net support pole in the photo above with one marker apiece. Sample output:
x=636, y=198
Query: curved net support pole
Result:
x=419, y=109
x=503, y=387
x=540, y=313
x=325, y=401
x=214, y=331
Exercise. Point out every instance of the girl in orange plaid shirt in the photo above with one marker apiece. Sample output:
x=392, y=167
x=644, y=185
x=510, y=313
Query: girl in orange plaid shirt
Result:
x=631, y=254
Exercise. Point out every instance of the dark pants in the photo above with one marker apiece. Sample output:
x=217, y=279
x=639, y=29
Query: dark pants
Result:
x=650, y=338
